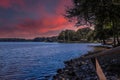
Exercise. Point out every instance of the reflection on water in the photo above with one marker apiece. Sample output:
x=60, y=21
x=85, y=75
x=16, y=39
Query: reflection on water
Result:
x=35, y=61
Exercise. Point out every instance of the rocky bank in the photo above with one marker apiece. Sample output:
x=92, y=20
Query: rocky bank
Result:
x=82, y=68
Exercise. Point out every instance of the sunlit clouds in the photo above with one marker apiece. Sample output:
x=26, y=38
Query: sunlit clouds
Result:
x=33, y=18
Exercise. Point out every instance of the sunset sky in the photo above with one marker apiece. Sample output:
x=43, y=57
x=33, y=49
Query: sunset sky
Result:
x=32, y=18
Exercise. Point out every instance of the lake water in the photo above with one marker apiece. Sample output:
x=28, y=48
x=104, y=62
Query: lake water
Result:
x=36, y=60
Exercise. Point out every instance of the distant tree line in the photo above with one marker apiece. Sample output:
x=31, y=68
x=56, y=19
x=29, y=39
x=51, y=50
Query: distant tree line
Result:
x=38, y=39
x=45, y=39
x=13, y=40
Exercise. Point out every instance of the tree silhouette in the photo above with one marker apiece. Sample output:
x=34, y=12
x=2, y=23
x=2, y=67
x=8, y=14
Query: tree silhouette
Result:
x=98, y=13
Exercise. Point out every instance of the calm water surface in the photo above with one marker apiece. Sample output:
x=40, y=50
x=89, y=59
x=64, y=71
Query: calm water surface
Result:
x=36, y=61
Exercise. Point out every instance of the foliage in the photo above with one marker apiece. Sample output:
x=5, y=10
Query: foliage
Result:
x=100, y=13
x=79, y=35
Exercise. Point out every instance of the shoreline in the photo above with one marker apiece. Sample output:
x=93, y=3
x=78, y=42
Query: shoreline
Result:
x=83, y=69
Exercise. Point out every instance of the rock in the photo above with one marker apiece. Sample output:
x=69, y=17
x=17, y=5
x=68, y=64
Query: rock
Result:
x=83, y=69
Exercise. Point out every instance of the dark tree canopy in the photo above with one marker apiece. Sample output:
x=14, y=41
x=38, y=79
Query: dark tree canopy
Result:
x=100, y=13
x=93, y=11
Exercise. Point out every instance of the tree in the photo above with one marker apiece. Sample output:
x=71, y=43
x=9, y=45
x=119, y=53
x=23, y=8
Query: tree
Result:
x=61, y=36
x=98, y=13
x=67, y=35
x=71, y=35
x=83, y=33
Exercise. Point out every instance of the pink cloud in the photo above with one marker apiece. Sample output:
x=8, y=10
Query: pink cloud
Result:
x=10, y=3
x=46, y=24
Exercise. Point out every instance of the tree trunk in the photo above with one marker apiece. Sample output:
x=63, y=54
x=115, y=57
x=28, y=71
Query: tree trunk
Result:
x=118, y=42
x=104, y=42
x=113, y=29
x=117, y=32
x=114, y=42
